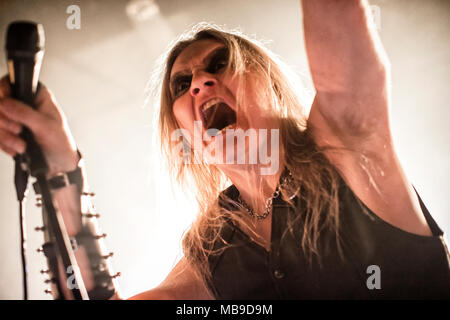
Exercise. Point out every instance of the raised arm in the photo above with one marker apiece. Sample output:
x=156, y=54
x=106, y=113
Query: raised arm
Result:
x=350, y=112
x=349, y=67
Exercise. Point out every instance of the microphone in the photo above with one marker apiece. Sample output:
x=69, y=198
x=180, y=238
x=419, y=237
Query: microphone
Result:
x=25, y=50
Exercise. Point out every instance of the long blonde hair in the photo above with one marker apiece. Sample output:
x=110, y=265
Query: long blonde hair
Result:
x=315, y=177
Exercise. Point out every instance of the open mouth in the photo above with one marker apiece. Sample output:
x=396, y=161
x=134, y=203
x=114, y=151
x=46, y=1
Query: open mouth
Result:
x=218, y=115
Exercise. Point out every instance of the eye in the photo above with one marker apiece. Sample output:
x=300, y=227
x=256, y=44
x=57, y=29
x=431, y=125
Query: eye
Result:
x=218, y=61
x=180, y=85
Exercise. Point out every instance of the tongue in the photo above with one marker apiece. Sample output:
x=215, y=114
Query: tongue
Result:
x=219, y=116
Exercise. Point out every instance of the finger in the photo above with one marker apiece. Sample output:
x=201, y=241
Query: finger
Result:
x=11, y=142
x=5, y=87
x=7, y=150
x=46, y=102
x=10, y=125
x=22, y=113
x=43, y=93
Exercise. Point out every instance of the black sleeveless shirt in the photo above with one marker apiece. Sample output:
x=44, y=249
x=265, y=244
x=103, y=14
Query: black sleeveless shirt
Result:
x=378, y=260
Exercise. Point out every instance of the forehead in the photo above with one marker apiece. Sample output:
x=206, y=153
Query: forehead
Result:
x=194, y=54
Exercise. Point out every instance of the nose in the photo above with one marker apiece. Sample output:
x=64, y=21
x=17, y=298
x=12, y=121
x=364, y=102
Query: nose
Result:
x=202, y=82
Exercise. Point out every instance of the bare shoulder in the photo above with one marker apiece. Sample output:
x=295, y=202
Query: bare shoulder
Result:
x=182, y=283
x=370, y=166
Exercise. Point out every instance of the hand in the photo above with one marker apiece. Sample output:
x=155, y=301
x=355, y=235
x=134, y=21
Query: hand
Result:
x=48, y=125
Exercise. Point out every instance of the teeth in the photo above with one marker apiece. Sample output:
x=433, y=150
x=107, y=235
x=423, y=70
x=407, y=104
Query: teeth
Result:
x=223, y=131
x=210, y=103
x=230, y=126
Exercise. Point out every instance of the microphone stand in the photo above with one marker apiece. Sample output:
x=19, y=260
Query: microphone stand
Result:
x=21, y=183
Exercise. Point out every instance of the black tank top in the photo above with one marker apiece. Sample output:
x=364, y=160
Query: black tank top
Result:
x=378, y=261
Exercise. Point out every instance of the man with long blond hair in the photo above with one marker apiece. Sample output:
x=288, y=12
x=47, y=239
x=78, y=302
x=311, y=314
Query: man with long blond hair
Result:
x=294, y=204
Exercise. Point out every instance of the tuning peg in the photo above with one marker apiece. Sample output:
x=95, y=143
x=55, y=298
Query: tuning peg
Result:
x=109, y=255
x=45, y=247
x=44, y=271
x=38, y=202
x=91, y=215
x=52, y=280
x=89, y=194
x=100, y=236
x=118, y=274
x=48, y=291
x=39, y=228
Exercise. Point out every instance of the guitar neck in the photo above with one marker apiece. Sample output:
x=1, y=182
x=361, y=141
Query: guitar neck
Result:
x=58, y=244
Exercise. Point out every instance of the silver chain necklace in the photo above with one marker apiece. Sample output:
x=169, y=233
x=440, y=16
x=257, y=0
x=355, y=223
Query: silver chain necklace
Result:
x=269, y=202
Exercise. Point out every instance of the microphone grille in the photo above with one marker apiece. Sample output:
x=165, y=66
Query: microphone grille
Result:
x=25, y=36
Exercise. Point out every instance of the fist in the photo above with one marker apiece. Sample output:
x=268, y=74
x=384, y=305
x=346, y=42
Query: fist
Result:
x=48, y=125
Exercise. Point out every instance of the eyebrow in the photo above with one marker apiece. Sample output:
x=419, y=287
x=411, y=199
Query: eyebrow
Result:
x=204, y=61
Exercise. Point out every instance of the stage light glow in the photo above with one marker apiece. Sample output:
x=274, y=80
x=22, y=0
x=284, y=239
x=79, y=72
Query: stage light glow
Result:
x=141, y=10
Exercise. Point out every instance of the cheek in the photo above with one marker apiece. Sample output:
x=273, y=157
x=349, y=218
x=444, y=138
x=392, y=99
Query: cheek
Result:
x=183, y=114
x=248, y=111
x=185, y=117
x=253, y=104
